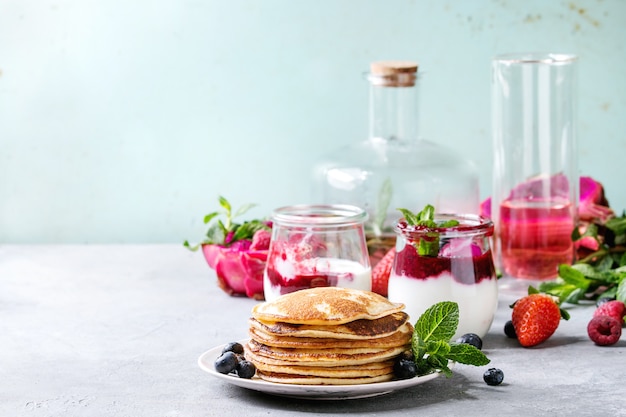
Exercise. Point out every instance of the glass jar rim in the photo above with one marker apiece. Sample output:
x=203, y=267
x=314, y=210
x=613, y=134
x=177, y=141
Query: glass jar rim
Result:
x=535, y=58
x=319, y=215
x=469, y=225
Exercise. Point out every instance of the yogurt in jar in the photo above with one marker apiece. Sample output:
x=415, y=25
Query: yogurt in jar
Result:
x=462, y=271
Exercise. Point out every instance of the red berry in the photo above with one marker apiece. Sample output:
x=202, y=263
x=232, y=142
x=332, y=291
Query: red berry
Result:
x=381, y=272
x=604, y=330
x=261, y=240
x=535, y=318
x=615, y=309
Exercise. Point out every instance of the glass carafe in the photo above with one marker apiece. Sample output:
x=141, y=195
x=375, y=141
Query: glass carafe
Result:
x=395, y=168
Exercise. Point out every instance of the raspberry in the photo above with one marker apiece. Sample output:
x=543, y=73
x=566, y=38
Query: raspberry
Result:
x=261, y=240
x=604, y=330
x=603, y=300
x=613, y=309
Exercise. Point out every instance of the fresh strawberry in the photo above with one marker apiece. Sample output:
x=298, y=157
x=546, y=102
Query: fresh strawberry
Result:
x=613, y=308
x=535, y=318
x=381, y=272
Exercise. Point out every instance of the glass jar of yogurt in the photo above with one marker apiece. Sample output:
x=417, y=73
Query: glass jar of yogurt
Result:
x=316, y=246
x=460, y=269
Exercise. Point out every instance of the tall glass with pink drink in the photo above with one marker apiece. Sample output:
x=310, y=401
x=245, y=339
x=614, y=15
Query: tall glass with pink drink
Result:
x=535, y=177
x=535, y=237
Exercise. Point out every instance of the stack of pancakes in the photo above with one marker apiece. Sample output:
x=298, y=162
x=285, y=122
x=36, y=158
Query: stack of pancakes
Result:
x=327, y=336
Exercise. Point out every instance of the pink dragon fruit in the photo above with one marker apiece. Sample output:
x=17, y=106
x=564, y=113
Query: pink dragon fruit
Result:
x=593, y=211
x=593, y=203
x=239, y=267
x=237, y=252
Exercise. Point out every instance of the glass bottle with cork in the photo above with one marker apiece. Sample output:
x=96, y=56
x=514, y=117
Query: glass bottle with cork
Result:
x=394, y=167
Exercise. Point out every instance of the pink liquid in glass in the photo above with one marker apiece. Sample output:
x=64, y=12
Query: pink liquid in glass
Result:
x=535, y=237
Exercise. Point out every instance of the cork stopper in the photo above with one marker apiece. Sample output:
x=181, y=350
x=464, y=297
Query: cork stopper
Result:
x=393, y=73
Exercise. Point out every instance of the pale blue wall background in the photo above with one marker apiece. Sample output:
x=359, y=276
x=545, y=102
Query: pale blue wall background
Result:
x=122, y=121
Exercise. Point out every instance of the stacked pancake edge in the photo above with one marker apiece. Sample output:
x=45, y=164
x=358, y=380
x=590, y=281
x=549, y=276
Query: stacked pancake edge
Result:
x=327, y=336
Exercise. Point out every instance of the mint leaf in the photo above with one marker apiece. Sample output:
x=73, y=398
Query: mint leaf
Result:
x=243, y=209
x=617, y=225
x=428, y=213
x=532, y=290
x=438, y=347
x=418, y=346
x=410, y=218
x=430, y=246
x=225, y=205
x=439, y=362
x=438, y=322
x=247, y=229
x=216, y=232
x=620, y=294
x=584, y=270
x=449, y=223
x=467, y=354
x=210, y=216
x=190, y=247
x=431, y=345
x=573, y=276
x=573, y=297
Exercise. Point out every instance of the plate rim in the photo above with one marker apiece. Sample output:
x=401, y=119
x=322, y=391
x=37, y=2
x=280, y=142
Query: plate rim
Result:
x=320, y=392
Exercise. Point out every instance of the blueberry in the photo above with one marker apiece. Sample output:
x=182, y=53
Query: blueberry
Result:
x=509, y=330
x=226, y=363
x=493, y=376
x=234, y=347
x=246, y=369
x=404, y=368
x=471, y=339
x=603, y=300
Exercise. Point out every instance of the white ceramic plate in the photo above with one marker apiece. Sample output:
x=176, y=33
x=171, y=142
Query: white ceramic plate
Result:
x=316, y=392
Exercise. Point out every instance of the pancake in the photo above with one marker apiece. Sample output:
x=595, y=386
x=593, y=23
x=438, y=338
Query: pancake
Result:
x=319, y=357
x=325, y=306
x=357, y=329
x=327, y=336
x=355, y=371
x=401, y=336
x=313, y=380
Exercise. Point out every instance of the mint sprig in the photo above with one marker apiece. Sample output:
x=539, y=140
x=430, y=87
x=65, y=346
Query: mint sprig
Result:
x=226, y=232
x=428, y=244
x=431, y=344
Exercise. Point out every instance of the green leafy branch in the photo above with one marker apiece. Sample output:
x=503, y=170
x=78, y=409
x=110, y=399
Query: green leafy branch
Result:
x=431, y=344
x=599, y=274
x=428, y=245
x=226, y=232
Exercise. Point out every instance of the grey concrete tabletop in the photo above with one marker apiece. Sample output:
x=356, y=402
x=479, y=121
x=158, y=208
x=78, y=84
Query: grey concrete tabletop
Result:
x=116, y=330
